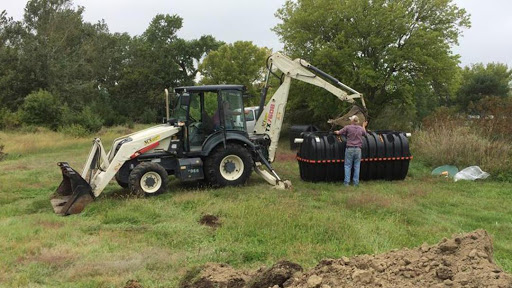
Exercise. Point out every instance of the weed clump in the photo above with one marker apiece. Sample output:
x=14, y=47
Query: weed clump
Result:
x=2, y=154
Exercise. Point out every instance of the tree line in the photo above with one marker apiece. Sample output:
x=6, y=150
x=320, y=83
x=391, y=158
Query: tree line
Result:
x=59, y=70
x=78, y=70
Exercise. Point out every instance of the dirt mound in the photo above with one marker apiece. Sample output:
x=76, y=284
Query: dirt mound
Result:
x=462, y=261
x=276, y=275
x=213, y=275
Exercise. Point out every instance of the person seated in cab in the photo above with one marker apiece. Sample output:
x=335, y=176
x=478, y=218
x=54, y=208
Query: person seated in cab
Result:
x=228, y=116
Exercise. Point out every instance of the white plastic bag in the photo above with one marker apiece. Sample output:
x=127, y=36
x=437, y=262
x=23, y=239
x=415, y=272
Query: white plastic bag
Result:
x=470, y=173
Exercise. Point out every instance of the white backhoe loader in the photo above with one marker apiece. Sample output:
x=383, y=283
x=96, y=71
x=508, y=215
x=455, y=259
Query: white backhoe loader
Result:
x=205, y=138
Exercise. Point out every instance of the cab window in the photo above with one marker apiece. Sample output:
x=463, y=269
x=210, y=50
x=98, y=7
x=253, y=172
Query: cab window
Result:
x=249, y=115
x=232, y=106
x=195, y=108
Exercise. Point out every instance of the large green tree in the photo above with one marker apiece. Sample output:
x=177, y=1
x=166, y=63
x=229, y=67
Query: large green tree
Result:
x=12, y=74
x=239, y=63
x=159, y=59
x=480, y=81
x=55, y=45
x=388, y=50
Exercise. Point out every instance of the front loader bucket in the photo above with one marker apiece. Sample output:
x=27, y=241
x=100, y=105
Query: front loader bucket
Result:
x=73, y=194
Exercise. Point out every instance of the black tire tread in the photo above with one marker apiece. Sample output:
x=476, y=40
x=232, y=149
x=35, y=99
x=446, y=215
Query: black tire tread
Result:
x=141, y=169
x=212, y=162
x=120, y=182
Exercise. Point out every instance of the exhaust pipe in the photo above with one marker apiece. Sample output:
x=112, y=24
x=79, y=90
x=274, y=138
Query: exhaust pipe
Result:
x=73, y=194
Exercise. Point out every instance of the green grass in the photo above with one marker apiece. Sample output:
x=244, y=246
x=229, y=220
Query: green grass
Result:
x=156, y=240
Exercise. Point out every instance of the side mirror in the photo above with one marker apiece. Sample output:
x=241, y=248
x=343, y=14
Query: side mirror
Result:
x=185, y=99
x=172, y=121
x=246, y=96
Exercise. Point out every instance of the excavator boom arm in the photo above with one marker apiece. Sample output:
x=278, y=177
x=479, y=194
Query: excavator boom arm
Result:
x=271, y=118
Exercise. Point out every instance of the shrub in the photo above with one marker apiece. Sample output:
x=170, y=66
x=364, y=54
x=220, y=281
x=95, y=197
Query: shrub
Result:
x=74, y=130
x=442, y=116
x=495, y=116
x=148, y=116
x=86, y=118
x=130, y=124
x=449, y=139
x=106, y=112
x=41, y=108
x=89, y=120
x=394, y=117
x=8, y=119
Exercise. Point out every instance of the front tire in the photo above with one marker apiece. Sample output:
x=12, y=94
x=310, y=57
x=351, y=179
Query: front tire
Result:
x=148, y=179
x=121, y=182
x=228, y=167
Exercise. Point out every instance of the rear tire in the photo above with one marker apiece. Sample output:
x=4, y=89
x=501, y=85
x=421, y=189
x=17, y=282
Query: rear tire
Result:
x=148, y=179
x=228, y=167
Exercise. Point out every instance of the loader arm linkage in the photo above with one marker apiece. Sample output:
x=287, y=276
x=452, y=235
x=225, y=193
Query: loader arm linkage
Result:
x=271, y=116
x=77, y=190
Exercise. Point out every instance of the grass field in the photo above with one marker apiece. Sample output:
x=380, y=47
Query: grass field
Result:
x=156, y=240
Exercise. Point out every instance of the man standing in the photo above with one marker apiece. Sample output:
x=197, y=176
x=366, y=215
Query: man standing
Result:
x=354, y=134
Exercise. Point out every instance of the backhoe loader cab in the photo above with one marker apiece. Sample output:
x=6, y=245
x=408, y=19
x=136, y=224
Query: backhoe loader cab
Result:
x=208, y=145
x=206, y=111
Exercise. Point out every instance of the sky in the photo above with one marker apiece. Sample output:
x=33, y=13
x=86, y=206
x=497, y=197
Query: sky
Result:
x=488, y=40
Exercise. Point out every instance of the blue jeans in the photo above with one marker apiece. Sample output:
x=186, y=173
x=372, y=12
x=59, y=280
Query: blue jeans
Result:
x=352, y=158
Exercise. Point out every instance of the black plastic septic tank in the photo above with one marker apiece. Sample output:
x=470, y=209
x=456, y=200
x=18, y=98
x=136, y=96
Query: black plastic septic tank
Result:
x=296, y=130
x=320, y=157
x=384, y=155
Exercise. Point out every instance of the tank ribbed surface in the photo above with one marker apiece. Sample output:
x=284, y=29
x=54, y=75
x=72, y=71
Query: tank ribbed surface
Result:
x=385, y=155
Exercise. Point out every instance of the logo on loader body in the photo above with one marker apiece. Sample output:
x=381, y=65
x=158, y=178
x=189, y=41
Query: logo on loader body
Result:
x=270, y=115
x=151, y=140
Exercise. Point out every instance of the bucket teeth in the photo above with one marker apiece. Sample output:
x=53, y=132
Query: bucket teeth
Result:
x=73, y=194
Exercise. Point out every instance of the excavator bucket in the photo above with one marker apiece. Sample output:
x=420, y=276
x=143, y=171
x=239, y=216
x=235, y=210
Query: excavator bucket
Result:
x=355, y=110
x=73, y=194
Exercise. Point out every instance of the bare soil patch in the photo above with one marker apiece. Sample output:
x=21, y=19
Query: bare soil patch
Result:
x=210, y=221
x=132, y=284
x=464, y=260
x=51, y=257
x=286, y=157
x=49, y=224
